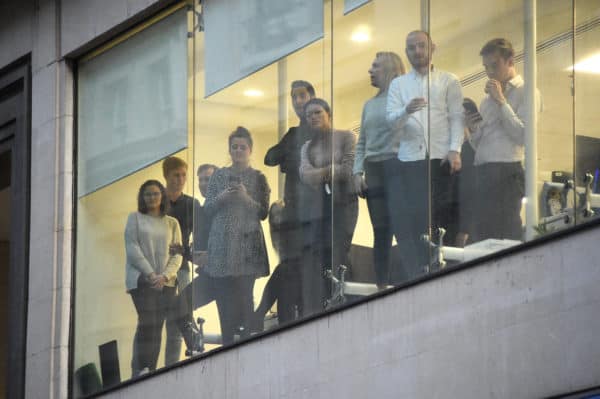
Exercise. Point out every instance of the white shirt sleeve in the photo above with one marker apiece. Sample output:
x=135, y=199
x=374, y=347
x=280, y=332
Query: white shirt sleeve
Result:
x=396, y=114
x=455, y=114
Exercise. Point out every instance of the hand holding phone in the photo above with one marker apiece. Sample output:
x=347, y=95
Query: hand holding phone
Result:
x=471, y=112
x=234, y=181
x=470, y=106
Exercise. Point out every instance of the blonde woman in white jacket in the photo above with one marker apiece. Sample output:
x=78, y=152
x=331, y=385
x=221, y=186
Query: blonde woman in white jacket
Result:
x=150, y=271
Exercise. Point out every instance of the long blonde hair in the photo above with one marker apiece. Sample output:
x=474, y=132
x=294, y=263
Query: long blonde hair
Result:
x=392, y=66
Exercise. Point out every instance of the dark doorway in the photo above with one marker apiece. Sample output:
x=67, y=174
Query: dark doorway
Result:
x=5, y=206
x=15, y=130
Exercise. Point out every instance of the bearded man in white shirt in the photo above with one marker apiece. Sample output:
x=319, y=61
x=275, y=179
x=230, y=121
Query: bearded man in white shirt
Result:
x=497, y=135
x=426, y=105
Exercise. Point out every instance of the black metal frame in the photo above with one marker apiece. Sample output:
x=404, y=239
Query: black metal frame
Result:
x=15, y=118
x=582, y=394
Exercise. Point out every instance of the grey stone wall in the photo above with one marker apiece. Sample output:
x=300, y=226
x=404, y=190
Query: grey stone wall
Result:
x=524, y=326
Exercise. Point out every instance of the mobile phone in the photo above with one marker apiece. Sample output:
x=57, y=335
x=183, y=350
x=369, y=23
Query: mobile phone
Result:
x=470, y=106
x=471, y=109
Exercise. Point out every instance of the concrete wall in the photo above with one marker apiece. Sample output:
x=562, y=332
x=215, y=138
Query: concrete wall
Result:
x=16, y=30
x=82, y=21
x=521, y=327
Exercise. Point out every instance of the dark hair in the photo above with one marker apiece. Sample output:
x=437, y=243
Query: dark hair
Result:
x=241, y=133
x=142, y=208
x=303, y=83
x=206, y=166
x=320, y=102
x=171, y=163
x=500, y=45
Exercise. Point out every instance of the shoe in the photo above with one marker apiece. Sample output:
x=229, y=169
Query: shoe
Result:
x=257, y=324
x=193, y=338
x=142, y=372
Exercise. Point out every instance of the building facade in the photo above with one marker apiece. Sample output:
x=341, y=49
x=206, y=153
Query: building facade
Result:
x=95, y=96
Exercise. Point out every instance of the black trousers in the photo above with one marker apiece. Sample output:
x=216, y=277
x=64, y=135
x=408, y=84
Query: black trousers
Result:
x=285, y=287
x=152, y=307
x=417, y=211
x=198, y=293
x=234, y=298
x=327, y=240
x=235, y=304
x=500, y=190
x=379, y=179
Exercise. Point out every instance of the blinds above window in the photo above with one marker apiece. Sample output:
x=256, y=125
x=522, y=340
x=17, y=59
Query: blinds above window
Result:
x=243, y=36
x=132, y=108
x=351, y=5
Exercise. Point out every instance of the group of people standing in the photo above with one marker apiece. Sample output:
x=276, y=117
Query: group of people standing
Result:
x=405, y=163
x=158, y=253
x=427, y=158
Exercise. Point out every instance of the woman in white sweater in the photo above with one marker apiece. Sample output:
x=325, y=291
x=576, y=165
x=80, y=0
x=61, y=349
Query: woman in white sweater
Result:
x=150, y=271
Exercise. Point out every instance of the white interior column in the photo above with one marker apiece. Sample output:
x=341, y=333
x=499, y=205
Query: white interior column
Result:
x=425, y=15
x=282, y=110
x=530, y=76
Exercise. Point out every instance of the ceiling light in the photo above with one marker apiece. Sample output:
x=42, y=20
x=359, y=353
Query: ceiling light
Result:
x=361, y=35
x=253, y=93
x=590, y=64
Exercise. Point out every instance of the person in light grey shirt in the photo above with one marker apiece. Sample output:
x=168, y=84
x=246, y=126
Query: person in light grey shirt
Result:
x=150, y=271
x=375, y=160
x=497, y=135
x=426, y=104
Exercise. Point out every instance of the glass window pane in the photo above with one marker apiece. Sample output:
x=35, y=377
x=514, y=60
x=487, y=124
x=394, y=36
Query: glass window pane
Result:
x=486, y=185
x=262, y=261
x=391, y=141
x=555, y=122
x=132, y=104
x=369, y=46
x=587, y=91
x=132, y=113
x=255, y=34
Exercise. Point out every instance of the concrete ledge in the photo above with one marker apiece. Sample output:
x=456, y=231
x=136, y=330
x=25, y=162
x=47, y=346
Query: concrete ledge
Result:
x=524, y=326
